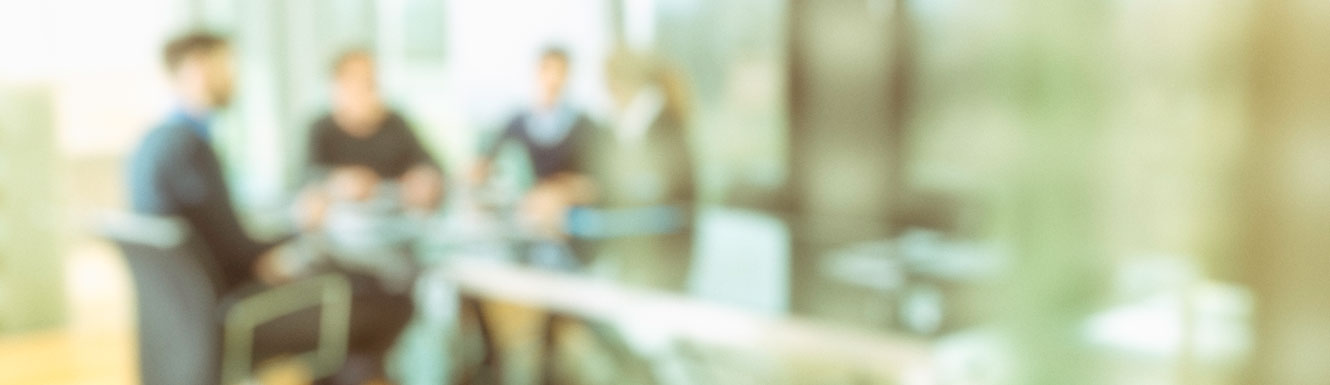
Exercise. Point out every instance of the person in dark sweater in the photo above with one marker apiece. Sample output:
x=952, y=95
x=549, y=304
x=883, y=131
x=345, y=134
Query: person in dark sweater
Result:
x=552, y=132
x=361, y=144
x=390, y=150
x=175, y=172
x=560, y=141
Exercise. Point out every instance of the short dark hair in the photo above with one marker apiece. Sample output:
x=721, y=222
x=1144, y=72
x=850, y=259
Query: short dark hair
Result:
x=190, y=44
x=554, y=52
x=347, y=56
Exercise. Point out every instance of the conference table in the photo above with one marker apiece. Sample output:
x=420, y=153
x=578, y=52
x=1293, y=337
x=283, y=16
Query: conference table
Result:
x=474, y=258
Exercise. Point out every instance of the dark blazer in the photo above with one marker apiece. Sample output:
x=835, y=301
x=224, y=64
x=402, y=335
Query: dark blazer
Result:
x=572, y=155
x=175, y=172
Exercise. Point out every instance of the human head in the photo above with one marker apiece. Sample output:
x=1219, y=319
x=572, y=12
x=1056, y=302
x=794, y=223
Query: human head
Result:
x=355, y=85
x=200, y=69
x=628, y=72
x=552, y=75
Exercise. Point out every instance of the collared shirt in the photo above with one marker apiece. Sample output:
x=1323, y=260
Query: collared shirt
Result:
x=199, y=124
x=548, y=127
x=563, y=141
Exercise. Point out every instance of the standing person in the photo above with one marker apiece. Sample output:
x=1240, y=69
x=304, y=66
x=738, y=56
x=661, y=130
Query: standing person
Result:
x=647, y=175
x=175, y=172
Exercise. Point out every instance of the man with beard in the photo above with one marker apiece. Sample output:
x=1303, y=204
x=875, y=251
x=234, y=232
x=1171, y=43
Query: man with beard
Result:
x=176, y=173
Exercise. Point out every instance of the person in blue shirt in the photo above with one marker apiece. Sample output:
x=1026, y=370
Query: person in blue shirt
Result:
x=553, y=132
x=561, y=143
x=176, y=173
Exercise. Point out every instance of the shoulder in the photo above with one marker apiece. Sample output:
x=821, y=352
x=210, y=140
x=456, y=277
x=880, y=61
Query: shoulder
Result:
x=513, y=125
x=323, y=120
x=395, y=120
x=322, y=125
x=582, y=120
x=392, y=116
x=396, y=126
x=666, y=125
x=164, y=153
x=517, y=118
x=168, y=142
x=583, y=125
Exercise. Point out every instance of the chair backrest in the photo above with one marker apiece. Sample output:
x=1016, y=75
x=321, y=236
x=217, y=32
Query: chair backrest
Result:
x=177, y=288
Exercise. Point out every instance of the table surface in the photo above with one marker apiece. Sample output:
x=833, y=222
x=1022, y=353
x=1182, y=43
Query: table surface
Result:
x=756, y=281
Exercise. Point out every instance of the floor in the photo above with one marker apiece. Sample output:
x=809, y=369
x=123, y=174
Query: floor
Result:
x=96, y=347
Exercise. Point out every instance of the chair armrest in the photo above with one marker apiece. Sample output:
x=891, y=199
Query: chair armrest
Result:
x=330, y=291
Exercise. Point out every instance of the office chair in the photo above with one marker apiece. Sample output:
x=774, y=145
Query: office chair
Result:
x=185, y=336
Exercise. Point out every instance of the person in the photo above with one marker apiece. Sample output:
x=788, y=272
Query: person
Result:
x=552, y=131
x=560, y=141
x=367, y=172
x=650, y=126
x=360, y=144
x=647, y=189
x=175, y=172
x=561, y=144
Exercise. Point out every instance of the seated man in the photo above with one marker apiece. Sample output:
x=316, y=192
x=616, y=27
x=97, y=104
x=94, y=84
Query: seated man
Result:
x=175, y=172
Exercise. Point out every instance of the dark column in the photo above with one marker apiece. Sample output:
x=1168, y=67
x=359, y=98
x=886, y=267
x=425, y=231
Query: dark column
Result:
x=1287, y=194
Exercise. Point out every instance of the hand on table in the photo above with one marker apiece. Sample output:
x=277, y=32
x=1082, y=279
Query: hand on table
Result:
x=311, y=207
x=480, y=172
x=269, y=269
x=355, y=183
x=422, y=188
x=547, y=205
x=285, y=262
